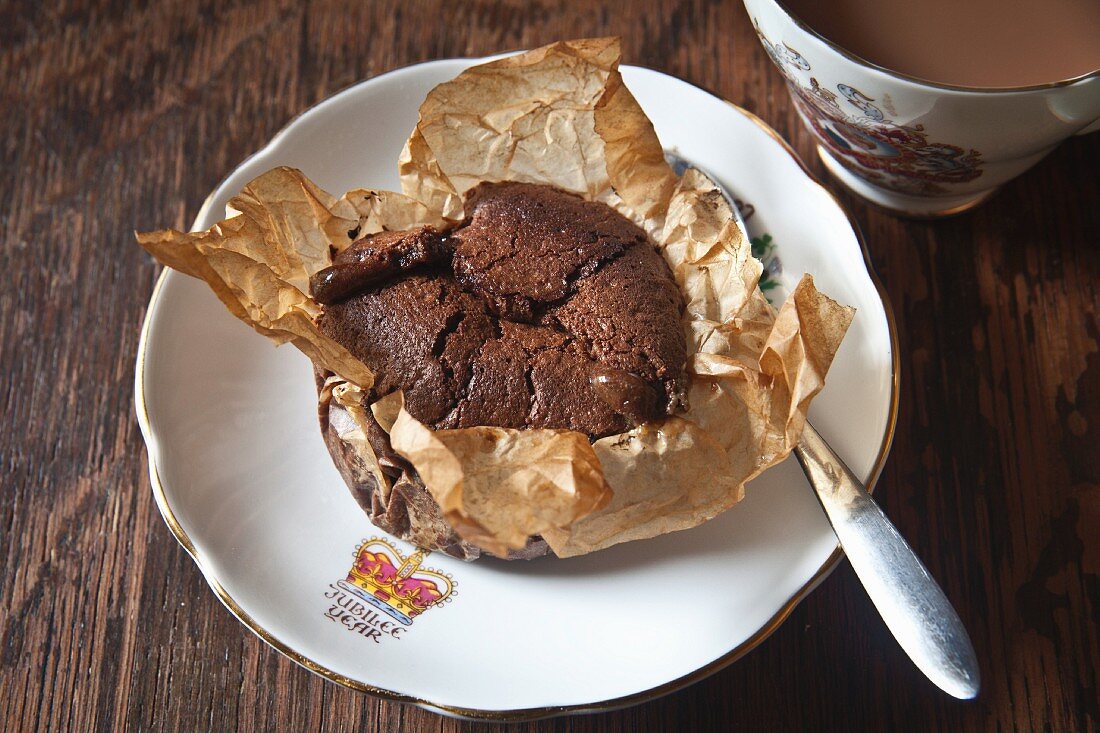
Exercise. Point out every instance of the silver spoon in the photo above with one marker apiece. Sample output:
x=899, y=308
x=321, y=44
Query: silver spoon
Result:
x=913, y=606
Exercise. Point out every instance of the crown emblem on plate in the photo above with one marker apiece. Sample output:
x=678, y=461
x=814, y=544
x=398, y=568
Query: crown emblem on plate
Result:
x=395, y=584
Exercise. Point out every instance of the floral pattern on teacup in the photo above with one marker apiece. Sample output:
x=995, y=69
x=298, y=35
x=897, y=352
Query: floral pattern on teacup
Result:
x=865, y=141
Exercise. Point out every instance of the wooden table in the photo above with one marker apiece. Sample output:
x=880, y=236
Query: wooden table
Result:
x=120, y=115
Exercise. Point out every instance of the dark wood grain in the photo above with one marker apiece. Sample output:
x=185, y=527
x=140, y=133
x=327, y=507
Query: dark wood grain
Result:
x=122, y=115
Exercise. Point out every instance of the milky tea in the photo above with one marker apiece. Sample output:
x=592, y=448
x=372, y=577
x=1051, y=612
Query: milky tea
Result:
x=972, y=43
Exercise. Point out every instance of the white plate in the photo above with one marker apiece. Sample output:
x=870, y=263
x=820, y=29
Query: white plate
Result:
x=245, y=483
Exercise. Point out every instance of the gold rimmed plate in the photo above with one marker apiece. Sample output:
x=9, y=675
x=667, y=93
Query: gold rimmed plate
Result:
x=243, y=479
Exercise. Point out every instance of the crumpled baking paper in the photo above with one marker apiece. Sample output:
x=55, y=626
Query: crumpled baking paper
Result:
x=558, y=115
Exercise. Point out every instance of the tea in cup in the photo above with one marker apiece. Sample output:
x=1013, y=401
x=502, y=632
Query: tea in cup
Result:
x=927, y=108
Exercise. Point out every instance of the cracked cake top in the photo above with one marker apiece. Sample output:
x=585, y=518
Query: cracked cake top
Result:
x=541, y=310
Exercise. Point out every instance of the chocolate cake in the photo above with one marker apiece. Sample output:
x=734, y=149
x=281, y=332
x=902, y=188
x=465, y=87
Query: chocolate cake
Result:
x=541, y=310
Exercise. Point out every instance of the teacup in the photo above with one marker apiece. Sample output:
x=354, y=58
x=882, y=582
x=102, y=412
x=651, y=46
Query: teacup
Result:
x=916, y=147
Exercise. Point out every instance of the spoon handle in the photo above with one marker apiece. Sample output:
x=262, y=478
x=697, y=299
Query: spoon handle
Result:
x=906, y=596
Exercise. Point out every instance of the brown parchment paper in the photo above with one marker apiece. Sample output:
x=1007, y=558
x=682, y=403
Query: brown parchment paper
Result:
x=499, y=486
x=259, y=261
x=558, y=115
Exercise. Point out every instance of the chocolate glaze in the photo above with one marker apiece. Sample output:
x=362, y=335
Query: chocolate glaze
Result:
x=373, y=259
x=626, y=393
